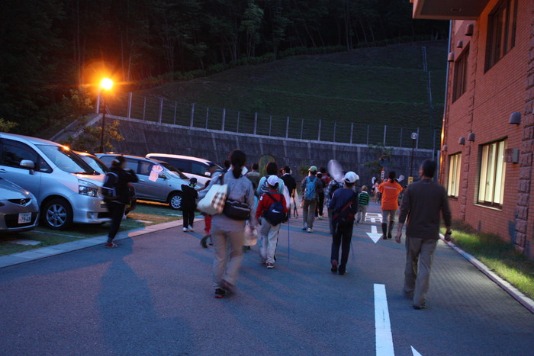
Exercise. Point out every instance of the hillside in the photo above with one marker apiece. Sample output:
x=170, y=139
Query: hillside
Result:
x=382, y=85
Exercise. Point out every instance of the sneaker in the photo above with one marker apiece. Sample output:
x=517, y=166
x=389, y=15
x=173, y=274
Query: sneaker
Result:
x=334, y=266
x=111, y=245
x=220, y=293
x=310, y=230
x=342, y=270
x=269, y=265
x=191, y=229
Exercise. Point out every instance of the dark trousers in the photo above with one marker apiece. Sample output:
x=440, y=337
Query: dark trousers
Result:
x=116, y=212
x=189, y=217
x=342, y=237
x=320, y=204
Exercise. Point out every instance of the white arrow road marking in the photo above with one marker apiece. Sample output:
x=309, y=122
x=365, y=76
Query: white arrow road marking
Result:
x=373, y=235
x=384, y=339
x=414, y=352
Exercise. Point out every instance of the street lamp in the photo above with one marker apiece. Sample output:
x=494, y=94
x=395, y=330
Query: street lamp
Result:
x=105, y=85
x=414, y=139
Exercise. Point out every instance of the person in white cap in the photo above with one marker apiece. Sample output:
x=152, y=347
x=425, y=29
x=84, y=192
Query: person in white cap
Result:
x=270, y=213
x=344, y=205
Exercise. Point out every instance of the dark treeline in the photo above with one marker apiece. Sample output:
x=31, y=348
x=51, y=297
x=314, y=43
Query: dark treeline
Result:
x=52, y=48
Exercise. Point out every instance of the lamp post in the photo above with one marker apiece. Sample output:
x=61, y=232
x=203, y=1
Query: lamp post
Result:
x=414, y=139
x=105, y=85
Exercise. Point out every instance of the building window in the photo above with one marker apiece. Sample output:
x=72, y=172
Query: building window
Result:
x=460, y=75
x=453, y=183
x=492, y=173
x=501, y=31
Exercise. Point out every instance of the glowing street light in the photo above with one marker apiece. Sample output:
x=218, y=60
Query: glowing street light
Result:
x=106, y=84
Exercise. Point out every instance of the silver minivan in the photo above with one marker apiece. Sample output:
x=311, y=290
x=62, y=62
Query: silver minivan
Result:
x=67, y=189
x=158, y=181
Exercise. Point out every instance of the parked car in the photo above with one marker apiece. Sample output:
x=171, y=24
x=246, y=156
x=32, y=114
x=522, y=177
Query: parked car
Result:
x=66, y=188
x=158, y=181
x=101, y=168
x=189, y=165
x=19, y=210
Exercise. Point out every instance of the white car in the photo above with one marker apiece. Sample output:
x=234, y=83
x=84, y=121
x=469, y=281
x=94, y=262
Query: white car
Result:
x=189, y=165
x=19, y=210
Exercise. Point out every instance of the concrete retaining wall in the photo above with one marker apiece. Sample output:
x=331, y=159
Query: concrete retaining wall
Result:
x=142, y=137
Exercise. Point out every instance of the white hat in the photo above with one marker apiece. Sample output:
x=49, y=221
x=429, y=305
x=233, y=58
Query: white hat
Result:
x=272, y=180
x=351, y=177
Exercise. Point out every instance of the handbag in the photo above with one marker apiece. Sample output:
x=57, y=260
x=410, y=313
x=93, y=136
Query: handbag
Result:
x=214, y=201
x=236, y=210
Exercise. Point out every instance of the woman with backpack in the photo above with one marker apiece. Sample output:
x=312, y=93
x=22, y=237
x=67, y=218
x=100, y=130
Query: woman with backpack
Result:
x=344, y=205
x=271, y=213
x=228, y=233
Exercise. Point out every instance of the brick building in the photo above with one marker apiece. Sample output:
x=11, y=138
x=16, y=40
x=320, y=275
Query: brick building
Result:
x=488, y=124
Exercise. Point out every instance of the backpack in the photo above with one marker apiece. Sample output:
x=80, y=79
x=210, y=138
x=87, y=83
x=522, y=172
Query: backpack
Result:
x=109, y=188
x=333, y=188
x=310, y=193
x=275, y=213
x=346, y=213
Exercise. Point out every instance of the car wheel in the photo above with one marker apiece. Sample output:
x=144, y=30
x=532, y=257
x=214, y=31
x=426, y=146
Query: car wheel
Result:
x=175, y=201
x=57, y=214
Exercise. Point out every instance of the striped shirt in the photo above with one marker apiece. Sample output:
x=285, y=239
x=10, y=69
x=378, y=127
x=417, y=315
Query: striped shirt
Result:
x=363, y=198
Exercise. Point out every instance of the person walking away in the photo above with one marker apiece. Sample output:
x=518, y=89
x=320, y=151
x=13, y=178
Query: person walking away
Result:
x=329, y=192
x=290, y=183
x=363, y=204
x=271, y=169
x=271, y=212
x=344, y=205
x=423, y=203
x=309, y=187
x=189, y=204
x=389, y=191
x=320, y=196
x=228, y=233
x=118, y=178
x=254, y=175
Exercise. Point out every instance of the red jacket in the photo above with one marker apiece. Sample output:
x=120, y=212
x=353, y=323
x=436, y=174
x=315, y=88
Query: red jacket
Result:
x=266, y=201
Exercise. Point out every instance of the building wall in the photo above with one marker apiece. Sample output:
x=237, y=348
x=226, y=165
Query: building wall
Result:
x=484, y=109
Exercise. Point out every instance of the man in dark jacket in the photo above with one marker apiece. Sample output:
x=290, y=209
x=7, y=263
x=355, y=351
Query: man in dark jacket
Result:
x=116, y=206
x=422, y=204
x=290, y=183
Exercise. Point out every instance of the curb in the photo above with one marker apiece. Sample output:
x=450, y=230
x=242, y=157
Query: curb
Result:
x=507, y=287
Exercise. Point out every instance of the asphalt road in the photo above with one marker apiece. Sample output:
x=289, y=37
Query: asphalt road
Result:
x=154, y=296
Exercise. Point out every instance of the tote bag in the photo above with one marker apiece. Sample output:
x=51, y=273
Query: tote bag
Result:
x=213, y=202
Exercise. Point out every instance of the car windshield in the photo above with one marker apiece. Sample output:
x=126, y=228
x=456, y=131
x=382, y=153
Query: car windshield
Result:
x=174, y=170
x=66, y=160
x=95, y=163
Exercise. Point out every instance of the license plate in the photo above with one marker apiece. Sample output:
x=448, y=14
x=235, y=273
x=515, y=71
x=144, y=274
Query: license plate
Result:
x=25, y=218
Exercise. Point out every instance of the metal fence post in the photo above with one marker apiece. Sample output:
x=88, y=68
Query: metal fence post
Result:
x=144, y=108
x=160, y=110
x=255, y=122
x=223, y=119
x=319, y=131
x=287, y=127
x=130, y=95
x=192, y=115
x=270, y=124
x=400, y=143
x=351, y=131
x=367, y=134
x=335, y=126
x=207, y=116
x=385, y=134
x=237, y=130
x=301, y=127
x=175, y=108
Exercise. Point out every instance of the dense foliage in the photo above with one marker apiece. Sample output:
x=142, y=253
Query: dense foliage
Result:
x=50, y=47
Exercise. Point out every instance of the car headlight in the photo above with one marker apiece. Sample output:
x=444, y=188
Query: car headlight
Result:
x=87, y=188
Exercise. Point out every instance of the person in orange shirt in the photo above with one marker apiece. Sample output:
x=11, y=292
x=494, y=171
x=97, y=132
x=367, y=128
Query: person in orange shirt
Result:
x=390, y=190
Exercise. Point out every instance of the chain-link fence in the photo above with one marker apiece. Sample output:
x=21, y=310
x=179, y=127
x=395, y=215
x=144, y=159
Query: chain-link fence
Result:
x=200, y=116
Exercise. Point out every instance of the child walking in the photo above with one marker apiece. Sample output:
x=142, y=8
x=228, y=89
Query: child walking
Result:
x=189, y=204
x=363, y=203
x=270, y=217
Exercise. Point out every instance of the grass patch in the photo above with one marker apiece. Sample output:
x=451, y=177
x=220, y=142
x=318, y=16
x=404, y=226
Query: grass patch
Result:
x=499, y=256
x=145, y=214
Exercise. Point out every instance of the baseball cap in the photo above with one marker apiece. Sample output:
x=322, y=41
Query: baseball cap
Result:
x=272, y=180
x=351, y=177
x=312, y=169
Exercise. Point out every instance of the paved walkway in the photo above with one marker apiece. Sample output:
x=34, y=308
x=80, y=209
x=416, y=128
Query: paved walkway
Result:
x=371, y=228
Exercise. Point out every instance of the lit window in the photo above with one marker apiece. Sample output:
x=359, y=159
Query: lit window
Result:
x=492, y=173
x=453, y=183
x=501, y=31
x=460, y=75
